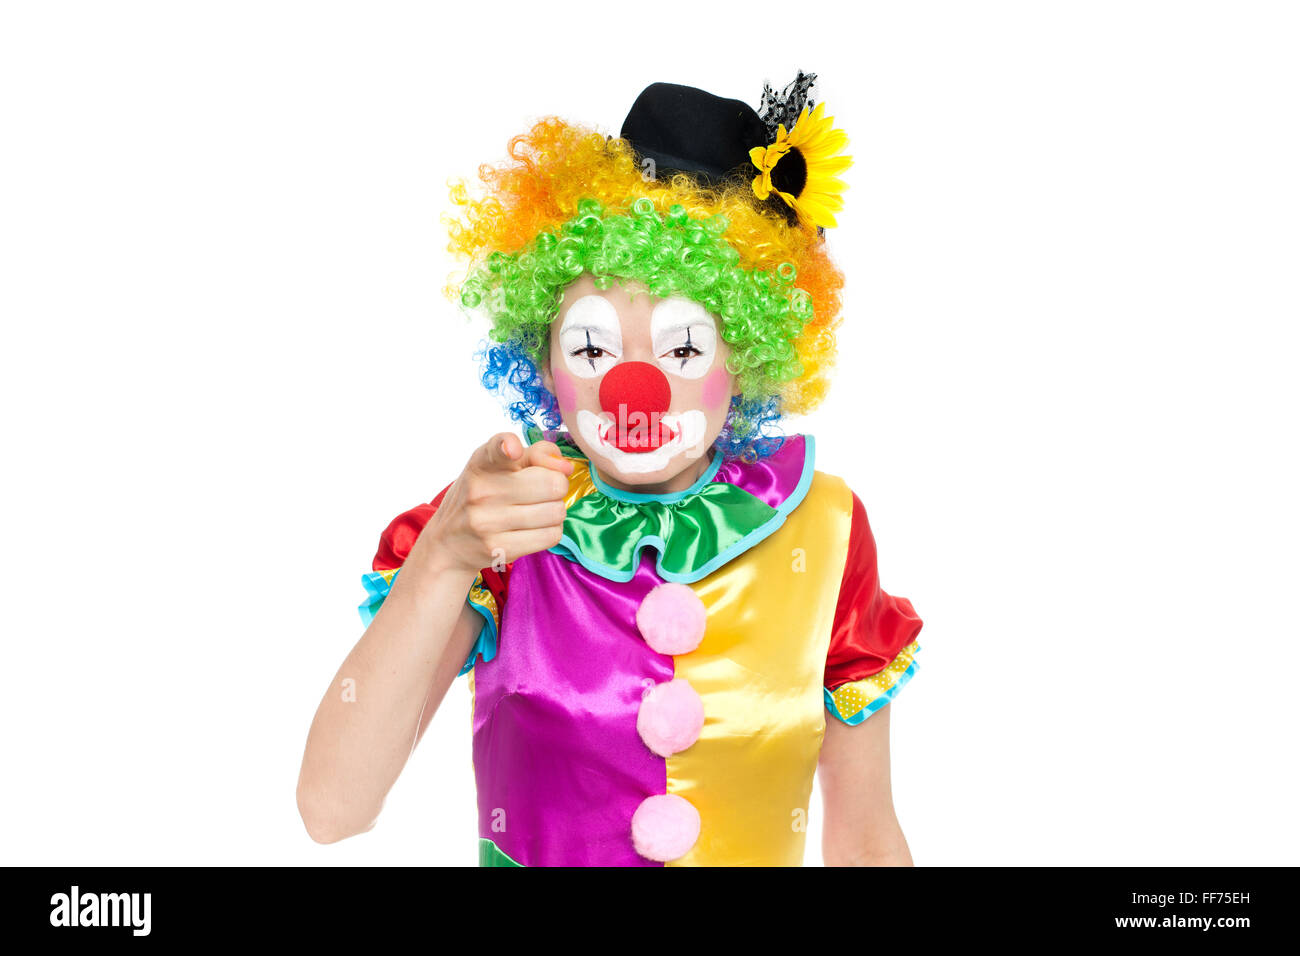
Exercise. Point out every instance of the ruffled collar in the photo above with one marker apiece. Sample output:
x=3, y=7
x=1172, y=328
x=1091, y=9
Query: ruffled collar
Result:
x=730, y=508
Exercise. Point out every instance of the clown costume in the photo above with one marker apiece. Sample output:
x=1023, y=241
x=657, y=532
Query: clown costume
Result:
x=654, y=689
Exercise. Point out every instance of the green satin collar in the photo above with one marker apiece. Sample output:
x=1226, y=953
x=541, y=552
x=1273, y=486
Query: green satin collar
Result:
x=694, y=532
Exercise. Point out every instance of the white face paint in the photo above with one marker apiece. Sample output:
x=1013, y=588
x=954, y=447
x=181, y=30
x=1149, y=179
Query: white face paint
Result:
x=591, y=336
x=684, y=337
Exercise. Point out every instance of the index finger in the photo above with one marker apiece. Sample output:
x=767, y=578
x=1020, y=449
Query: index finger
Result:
x=547, y=454
x=502, y=452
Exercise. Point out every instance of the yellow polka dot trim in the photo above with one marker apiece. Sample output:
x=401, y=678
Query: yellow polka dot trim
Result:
x=480, y=595
x=856, y=701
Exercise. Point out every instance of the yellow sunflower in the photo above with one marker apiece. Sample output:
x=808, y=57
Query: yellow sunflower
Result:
x=802, y=166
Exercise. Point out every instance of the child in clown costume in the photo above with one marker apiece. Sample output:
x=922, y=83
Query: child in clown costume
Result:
x=668, y=617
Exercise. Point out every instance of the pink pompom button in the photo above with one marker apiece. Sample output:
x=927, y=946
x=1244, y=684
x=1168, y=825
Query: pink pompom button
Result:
x=671, y=619
x=671, y=717
x=665, y=827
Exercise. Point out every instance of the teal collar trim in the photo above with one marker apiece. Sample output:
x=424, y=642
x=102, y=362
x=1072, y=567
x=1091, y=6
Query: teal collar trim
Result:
x=618, y=494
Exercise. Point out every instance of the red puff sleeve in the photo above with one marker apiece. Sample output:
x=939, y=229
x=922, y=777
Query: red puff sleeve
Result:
x=399, y=537
x=487, y=595
x=873, y=638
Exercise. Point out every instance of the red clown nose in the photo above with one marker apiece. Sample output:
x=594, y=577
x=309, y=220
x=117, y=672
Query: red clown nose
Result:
x=636, y=394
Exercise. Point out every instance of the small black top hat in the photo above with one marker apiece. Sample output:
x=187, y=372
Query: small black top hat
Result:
x=688, y=130
x=684, y=129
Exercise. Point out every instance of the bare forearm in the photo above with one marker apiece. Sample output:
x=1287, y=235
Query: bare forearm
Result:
x=861, y=827
x=847, y=841
x=368, y=720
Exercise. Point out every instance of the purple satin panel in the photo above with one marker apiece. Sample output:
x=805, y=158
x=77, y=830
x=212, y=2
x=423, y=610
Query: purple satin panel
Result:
x=771, y=479
x=557, y=756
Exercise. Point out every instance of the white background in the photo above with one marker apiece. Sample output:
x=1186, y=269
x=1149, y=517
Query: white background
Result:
x=1067, y=397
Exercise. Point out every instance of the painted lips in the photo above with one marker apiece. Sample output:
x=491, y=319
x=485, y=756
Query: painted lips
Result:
x=686, y=430
x=636, y=437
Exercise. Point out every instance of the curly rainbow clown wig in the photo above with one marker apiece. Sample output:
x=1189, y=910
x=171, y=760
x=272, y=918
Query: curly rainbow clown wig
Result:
x=572, y=200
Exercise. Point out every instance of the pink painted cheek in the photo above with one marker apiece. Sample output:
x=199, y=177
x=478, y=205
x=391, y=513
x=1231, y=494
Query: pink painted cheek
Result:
x=565, y=393
x=717, y=388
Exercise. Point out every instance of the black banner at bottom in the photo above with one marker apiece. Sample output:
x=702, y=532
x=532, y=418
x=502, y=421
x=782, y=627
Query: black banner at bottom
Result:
x=1177, y=904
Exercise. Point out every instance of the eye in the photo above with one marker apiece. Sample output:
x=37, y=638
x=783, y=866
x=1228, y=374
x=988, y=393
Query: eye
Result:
x=684, y=352
x=685, y=337
x=589, y=353
x=591, y=336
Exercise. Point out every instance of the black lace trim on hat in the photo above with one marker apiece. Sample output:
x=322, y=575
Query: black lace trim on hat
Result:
x=784, y=108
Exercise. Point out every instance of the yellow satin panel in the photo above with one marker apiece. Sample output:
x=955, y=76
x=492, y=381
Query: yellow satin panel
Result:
x=580, y=483
x=759, y=671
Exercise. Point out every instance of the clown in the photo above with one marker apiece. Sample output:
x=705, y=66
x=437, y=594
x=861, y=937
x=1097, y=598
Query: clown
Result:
x=668, y=617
